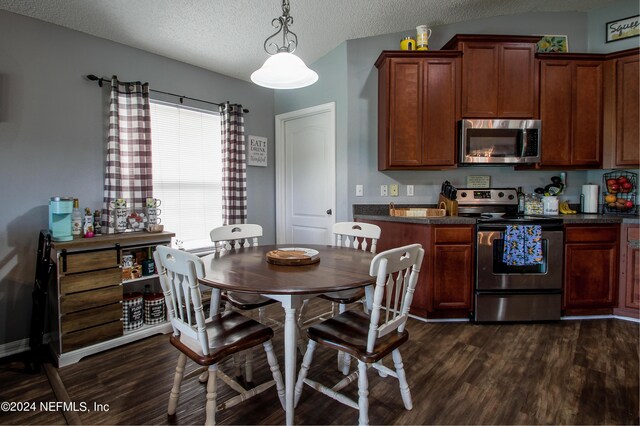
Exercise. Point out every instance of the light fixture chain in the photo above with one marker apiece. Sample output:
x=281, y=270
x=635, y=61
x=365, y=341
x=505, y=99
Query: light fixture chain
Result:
x=289, y=38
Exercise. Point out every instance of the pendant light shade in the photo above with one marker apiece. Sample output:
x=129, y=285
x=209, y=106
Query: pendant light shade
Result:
x=283, y=70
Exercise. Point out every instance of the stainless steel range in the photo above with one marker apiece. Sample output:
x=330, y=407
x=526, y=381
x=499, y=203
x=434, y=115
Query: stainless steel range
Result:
x=527, y=291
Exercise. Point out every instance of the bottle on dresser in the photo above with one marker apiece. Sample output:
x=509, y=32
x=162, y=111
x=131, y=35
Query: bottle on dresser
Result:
x=76, y=219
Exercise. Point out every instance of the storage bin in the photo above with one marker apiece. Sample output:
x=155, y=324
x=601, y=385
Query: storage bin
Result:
x=154, y=308
x=132, y=311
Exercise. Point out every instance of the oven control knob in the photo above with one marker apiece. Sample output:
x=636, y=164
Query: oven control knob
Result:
x=463, y=195
x=511, y=197
x=500, y=194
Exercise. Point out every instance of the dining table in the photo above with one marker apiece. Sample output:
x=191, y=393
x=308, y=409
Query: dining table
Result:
x=247, y=270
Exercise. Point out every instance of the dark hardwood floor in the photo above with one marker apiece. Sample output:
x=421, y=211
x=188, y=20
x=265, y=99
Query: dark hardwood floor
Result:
x=570, y=372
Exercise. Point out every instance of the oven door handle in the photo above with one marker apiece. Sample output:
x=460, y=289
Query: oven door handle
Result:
x=501, y=226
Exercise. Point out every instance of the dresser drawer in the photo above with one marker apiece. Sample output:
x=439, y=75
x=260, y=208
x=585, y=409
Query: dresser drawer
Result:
x=460, y=234
x=76, y=321
x=71, y=263
x=90, y=280
x=90, y=336
x=90, y=299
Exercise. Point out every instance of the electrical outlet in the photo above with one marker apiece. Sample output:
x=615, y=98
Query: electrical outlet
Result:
x=409, y=190
x=384, y=190
x=359, y=191
x=393, y=189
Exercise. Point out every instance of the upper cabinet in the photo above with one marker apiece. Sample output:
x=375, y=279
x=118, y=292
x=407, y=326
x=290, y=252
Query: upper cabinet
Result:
x=571, y=110
x=418, y=109
x=499, y=77
x=621, y=111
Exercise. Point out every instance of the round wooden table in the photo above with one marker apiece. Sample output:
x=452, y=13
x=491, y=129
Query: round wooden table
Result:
x=247, y=270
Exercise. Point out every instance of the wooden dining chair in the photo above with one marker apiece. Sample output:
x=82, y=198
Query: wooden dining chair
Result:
x=360, y=236
x=208, y=341
x=369, y=338
x=238, y=236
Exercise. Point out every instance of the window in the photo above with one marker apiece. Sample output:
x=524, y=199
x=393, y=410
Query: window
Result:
x=187, y=171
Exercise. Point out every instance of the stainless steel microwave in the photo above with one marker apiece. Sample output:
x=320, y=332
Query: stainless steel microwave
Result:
x=499, y=142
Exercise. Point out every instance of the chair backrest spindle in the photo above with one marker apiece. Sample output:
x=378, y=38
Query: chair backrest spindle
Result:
x=357, y=235
x=235, y=236
x=179, y=272
x=396, y=273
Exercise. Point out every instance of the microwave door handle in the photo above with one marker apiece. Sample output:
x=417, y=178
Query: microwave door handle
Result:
x=523, y=143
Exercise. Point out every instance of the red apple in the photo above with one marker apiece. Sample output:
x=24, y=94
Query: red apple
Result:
x=628, y=204
x=611, y=181
x=626, y=186
x=614, y=187
x=622, y=179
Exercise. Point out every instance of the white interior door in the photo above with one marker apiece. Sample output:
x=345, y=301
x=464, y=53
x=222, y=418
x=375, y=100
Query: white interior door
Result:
x=305, y=175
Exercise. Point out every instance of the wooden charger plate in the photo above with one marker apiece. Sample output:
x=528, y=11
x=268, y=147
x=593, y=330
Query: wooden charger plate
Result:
x=293, y=256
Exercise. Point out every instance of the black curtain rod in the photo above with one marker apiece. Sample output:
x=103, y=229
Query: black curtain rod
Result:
x=100, y=80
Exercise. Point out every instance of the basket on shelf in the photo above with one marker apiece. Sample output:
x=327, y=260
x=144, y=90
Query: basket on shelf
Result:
x=622, y=186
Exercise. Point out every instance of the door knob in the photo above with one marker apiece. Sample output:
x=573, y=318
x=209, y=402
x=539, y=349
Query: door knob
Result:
x=329, y=212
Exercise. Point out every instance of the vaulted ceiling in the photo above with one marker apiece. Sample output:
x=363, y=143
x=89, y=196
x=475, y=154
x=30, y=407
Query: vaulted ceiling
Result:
x=226, y=36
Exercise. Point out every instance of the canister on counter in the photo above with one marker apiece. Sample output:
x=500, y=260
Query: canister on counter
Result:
x=408, y=43
x=132, y=311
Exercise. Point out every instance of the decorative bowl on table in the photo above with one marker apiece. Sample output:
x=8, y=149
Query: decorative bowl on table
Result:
x=155, y=228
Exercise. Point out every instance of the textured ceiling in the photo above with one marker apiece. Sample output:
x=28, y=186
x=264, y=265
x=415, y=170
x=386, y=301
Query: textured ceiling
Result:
x=226, y=36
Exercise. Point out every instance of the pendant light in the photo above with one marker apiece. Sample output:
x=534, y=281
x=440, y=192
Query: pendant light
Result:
x=283, y=69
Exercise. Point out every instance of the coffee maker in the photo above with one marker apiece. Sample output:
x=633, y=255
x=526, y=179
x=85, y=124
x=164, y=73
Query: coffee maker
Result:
x=60, y=218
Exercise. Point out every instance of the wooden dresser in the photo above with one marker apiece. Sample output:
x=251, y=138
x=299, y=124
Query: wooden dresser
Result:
x=85, y=299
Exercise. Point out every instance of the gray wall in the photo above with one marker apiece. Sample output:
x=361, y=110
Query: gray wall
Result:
x=51, y=136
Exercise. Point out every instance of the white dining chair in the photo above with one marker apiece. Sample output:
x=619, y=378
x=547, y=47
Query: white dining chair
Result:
x=208, y=341
x=238, y=236
x=359, y=236
x=369, y=338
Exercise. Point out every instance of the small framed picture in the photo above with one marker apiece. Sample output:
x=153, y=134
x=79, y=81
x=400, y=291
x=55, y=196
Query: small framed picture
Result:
x=623, y=28
x=553, y=44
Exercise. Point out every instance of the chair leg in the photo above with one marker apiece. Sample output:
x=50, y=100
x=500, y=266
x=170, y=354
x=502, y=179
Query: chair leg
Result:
x=177, y=381
x=304, y=369
x=262, y=316
x=363, y=394
x=237, y=365
x=275, y=370
x=402, y=378
x=344, y=361
x=212, y=393
x=248, y=366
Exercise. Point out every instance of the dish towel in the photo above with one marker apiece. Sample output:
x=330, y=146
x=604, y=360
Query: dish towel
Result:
x=522, y=245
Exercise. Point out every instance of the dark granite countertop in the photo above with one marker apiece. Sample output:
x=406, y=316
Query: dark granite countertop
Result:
x=381, y=212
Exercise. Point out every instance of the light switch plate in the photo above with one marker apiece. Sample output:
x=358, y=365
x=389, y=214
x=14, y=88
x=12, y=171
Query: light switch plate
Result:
x=409, y=190
x=384, y=190
x=393, y=189
x=359, y=191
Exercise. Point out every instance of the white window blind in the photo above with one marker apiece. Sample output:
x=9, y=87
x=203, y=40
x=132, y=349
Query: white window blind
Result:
x=187, y=171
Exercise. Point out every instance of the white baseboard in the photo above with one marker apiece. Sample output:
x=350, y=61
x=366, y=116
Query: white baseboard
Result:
x=15, y=347
x=18, y=346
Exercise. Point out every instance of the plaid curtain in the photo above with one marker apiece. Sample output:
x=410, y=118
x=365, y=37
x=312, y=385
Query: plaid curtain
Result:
x=234, y=165
x=128, y=165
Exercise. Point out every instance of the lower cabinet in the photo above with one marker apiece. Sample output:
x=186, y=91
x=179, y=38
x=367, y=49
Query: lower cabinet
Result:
x=590, y=269
x=629, y=283
x=85, y=298
x=445, y=285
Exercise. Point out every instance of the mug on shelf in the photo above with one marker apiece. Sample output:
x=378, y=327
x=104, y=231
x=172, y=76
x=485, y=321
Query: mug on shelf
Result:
x=152, y=215
x=120, y=219
x=153, y=202
x=120, y=203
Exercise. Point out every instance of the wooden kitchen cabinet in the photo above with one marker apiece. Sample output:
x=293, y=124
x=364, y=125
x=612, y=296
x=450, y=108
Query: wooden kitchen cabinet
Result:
x=621, y=109
x=445, y=284
x=590, y=269
x=571, y=99
x=85, y=299
x=417, y=109
x=451, y=268
x=629, y=283
x=499, y=78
